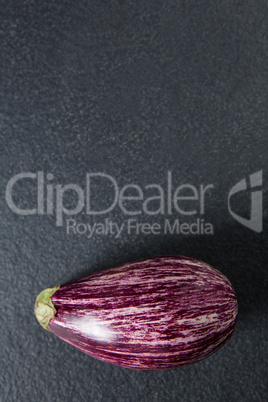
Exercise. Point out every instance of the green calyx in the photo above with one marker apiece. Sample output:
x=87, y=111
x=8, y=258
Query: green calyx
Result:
x=44, y=309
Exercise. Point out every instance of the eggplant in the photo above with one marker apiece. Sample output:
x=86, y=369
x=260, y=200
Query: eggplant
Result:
x=154, y=314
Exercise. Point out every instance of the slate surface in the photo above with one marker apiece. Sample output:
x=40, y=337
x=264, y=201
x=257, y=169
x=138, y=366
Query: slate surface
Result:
x=132, y=90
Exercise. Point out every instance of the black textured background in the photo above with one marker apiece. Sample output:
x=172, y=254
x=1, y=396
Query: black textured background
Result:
x=131, y=89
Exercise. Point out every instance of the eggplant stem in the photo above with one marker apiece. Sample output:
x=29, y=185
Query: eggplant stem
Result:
x=44, y=309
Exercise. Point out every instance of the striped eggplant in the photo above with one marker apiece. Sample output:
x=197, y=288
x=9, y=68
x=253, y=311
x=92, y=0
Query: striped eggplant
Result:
x=154, y=314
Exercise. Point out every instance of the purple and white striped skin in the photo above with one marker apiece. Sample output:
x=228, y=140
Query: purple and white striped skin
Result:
x=154, y=314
